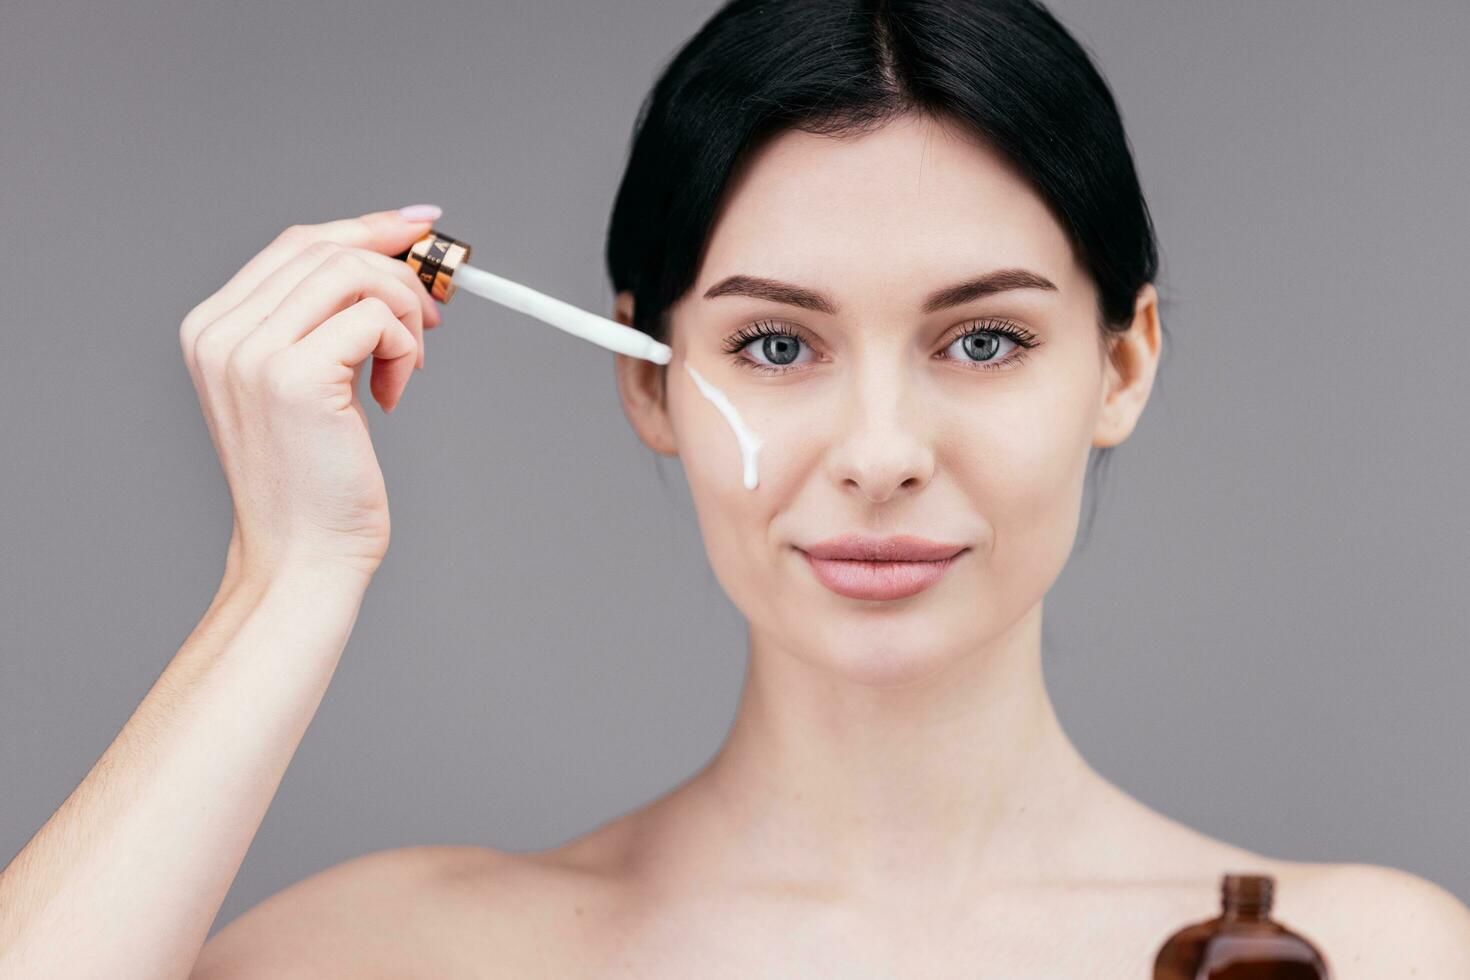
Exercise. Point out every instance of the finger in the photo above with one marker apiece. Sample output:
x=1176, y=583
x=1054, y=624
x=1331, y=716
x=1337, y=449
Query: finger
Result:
x=345, y=234
x=270, y=294
x=433, y=316
x=379, y=231
x=428, y=309
x=220, y=338
x=347, y=338
x=345, y=278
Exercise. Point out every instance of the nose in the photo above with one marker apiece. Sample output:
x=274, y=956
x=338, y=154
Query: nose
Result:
x=883, y=446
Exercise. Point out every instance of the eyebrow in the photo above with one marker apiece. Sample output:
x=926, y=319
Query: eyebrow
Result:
x=776, y=291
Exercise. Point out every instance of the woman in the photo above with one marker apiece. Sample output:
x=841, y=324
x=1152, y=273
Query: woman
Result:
x=906, y=245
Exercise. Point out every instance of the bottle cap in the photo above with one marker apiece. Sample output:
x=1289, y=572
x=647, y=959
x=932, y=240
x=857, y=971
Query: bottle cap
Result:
x=434, y=258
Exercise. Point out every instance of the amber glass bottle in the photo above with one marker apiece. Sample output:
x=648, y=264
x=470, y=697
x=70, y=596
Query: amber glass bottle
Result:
x=1241, y=943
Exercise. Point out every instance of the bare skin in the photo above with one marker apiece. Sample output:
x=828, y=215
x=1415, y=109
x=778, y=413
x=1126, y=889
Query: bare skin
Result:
x=140, y=855
x=896, y=796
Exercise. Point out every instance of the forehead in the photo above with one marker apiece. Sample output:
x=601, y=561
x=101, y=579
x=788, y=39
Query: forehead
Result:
x=912, y=202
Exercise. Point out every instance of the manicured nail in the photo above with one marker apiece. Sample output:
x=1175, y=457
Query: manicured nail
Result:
x=421, y=212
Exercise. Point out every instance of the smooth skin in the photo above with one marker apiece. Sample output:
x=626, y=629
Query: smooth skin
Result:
x=896, y=797
x=126, y=877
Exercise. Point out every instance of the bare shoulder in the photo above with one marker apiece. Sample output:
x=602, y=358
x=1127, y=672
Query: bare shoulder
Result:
x=1370, y=921
x=1375, y=921
x=378, y=914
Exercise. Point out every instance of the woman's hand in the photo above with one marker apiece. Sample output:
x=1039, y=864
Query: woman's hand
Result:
x=275, y=356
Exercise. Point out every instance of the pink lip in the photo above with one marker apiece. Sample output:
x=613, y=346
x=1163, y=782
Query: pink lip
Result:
x=877, y=579
x=898, y=548
x=879, y=568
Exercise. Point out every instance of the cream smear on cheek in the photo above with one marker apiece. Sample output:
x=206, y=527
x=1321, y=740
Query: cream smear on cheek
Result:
x=750, y=443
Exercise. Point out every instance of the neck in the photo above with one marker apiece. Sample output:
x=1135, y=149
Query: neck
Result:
x=962, y=777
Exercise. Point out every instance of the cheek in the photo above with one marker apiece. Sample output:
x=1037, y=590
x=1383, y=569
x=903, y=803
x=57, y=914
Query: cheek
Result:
x=725, y=454
x=747, y=440
x=1024, y=476
x=741, y=452
x=745, y=459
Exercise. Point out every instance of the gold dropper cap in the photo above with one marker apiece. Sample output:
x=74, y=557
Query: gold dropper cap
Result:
x=434, y=258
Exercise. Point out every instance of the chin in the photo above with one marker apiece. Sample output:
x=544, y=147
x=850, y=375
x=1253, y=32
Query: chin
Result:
x=880, y=650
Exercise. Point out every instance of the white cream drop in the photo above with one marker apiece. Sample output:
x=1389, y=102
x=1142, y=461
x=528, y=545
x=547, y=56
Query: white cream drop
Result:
x=750, y=443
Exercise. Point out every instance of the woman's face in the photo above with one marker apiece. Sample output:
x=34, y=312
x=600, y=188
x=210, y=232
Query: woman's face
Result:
x=875, y=414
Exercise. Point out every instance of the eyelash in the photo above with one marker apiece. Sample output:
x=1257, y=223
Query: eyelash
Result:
x=1024, y=340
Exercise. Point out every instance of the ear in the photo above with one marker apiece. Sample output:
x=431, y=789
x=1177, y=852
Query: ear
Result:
x=641, y=387
x=1131, y=362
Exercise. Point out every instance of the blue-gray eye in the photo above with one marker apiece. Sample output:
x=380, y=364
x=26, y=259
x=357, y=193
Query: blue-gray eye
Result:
x=780, y=349
x=779, y=346
x=978, y=345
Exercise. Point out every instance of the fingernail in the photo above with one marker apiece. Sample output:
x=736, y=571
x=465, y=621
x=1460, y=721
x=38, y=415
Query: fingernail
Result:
x=421, y=212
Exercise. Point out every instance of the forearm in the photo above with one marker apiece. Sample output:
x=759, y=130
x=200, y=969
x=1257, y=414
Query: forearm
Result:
x=127, y=875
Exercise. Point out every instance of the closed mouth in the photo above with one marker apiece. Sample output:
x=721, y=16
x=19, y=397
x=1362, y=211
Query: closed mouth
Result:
x=878, y=580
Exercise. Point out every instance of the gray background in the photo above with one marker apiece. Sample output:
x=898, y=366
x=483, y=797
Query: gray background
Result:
x=1265, y=636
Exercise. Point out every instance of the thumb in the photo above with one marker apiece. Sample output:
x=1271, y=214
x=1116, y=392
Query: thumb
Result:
x=389, y=232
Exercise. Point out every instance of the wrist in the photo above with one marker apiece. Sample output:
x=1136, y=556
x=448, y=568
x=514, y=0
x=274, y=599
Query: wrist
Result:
x=311, y=574
x=263, y=565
